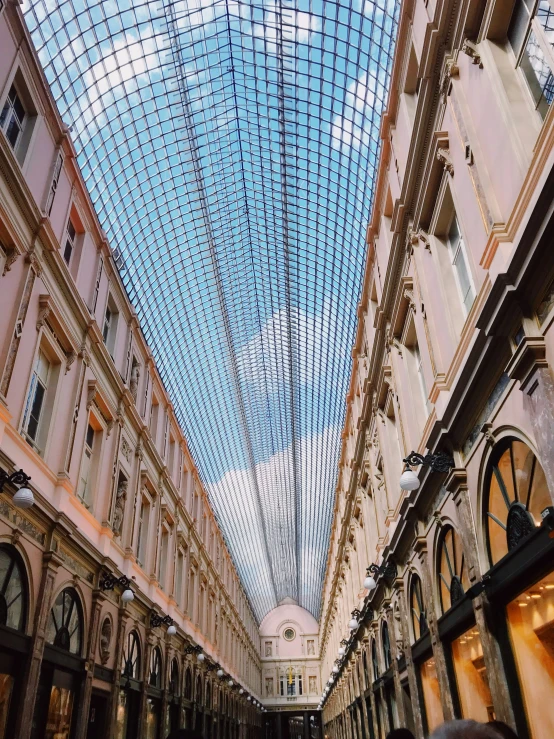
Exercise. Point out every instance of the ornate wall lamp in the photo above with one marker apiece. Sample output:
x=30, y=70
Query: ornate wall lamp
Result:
x=109, y=581
x=388, y=570
x=197, y=650
x=355, y=620
x=439, y=462
x=23, y=498
x=342, y=648
x=156, y=621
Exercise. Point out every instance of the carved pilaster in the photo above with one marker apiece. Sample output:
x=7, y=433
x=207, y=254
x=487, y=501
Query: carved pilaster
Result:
x=98, y=599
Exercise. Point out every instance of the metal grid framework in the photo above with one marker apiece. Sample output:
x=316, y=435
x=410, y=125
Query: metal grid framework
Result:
x=230, y=150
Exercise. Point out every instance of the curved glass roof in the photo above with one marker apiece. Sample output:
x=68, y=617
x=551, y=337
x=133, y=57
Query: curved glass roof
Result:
x=230, y=150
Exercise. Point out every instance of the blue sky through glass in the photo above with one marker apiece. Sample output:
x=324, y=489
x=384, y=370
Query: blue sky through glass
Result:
x=230, y=151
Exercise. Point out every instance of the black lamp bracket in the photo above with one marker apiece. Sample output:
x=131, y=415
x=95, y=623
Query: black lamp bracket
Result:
x=16, y=478
x=439, y=462
x=109, y=581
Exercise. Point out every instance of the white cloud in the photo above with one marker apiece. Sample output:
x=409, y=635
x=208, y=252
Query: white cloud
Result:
x=264, y=362
x=234, y=500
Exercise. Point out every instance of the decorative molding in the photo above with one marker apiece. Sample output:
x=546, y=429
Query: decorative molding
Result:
x=91, y=393
x=471, y=52
x=11, y=258
x=44, y=308
x=443, y=155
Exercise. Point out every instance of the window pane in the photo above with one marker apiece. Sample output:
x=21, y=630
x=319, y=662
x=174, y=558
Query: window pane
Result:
x=462, y=271
x=538, y=75
x=431, y=694
x=36, y=408
x=518, y=26
x=531, y=626
x=471, y=677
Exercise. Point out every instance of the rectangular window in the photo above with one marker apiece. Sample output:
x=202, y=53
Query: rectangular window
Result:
x=85, y=477
x=109, y=327
x=54, y=183
x=531, y=38
x=35, y=400
x=460, y=265
x=531, y=629
x=162, y=570
x=471, y=677
x=142, y=537
x=70, y=236
x=179, y=571
x=12, y=118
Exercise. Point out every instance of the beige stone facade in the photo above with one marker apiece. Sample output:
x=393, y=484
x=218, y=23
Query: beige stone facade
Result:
x=84, y=412
x=453, y=356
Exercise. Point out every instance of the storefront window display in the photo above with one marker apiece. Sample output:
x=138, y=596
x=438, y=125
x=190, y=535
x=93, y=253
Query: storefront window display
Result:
x=531, y=627
x=471, y=677
x=431, y=694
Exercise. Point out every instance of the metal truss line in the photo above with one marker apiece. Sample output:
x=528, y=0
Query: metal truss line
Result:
x=228, y=334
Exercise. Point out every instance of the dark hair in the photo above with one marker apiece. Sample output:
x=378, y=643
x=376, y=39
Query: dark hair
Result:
x=503, y=730
x=400, y=734
x=185, y=734
x=464, y=730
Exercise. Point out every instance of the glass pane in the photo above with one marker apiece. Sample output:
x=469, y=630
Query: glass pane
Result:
x=531, y=626
x=58, y=724
x=462, y=271
x=152, y=718
x=431, y=694
x=471, y=677
x=518, y=25
x=122, y=715
x=6, y=688
x=240, y=232
x=538, y=74
x=36, y=408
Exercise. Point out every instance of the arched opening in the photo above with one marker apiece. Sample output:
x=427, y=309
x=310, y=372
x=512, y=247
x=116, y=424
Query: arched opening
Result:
x=14, y=609
x=129, y=694
x=62, y=666
x=417, y=609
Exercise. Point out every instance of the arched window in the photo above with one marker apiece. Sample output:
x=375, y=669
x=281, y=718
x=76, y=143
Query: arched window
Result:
x=417, y=608
x=366, y=671
x=453, y=577
x=374, y=660
x=65, y=624
x=131, y=656
x=515, y=494
x=386, y=645
x=188, y=684
x=199, y=691
x=174, y=677
x=13, y=589
x=155, y=679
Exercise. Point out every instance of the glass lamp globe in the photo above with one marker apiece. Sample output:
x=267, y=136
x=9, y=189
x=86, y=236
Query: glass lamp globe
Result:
x=241, y=691
x=353, y=624
x=219, y=673
x=249, y=698
x=369, y=583
x=230, y=683
x=201, y=657
x=341, y=651
x=409, y=480
x=23, y=498
x=171, y=630
x=127, y=596
x=335, y=669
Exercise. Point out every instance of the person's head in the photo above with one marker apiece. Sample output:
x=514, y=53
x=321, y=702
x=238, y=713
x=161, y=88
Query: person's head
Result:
x=400, y=734
x=464, y=730
x=503, y=730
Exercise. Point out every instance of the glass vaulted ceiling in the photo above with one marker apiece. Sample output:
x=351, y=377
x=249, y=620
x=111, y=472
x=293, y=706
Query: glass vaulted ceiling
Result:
x=230, y=150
